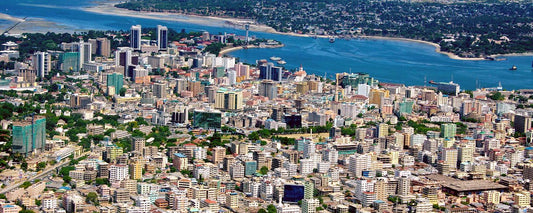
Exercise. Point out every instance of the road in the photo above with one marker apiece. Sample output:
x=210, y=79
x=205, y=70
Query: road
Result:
x=44, y=173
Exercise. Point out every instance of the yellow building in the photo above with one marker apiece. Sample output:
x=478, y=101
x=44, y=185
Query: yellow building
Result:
x=302, y=87
x=491, y=197
x=136, y=167
x=522, y=199
x=228, y=100
x=466, y=153
x=376, y=96
x=394, y=157
x=113, y=152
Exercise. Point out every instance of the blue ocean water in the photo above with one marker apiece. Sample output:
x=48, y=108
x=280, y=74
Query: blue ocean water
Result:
x=387, y=60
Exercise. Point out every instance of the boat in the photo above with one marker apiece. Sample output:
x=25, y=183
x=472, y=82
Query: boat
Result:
x=282, y=62
x=513, y=68
x=274, y=58
x=331, y=39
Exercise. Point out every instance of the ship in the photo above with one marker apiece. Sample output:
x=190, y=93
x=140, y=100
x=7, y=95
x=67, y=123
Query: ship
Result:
x=282, y=62
x=274, y=58
x=513, y=68
x=331, y=39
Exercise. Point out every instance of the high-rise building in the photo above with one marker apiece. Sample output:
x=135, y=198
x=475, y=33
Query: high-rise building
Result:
x=268, y=89
x=138, y=144
x=466, y=154
x=135, y=37
x=207, y=120
x=359, y=163
x=135, y=169
x=383, y=130
x=270, y=72
x=448, y=130
x=232, y=77
x=250, y=167
x=522, y=123
x=404, y=186
x=376, y=96
x=115, y=80
x=309, y=148
x=310, y=205
x=69, y=61
x=103, y=47
x=309, y=189
x=159, y=90
x=85, y=53
x=118, y=173
x=228, y=99
x=26, y=73
x=449, y=156
x=162, y=37
x=218, y=154
x=41, y=62
x=29, y=135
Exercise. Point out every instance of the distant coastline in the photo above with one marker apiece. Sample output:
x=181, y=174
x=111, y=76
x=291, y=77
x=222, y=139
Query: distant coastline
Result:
x=109, y=8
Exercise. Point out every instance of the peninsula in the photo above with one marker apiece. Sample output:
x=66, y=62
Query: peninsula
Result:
x=467, y=30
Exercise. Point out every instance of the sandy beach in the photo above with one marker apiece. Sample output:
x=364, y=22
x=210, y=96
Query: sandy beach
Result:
x=108, y=8
x=231, y=49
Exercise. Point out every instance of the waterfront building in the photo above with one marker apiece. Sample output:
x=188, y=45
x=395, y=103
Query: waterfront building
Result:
x=135, y=37
x=162, y=37
x=270, y=72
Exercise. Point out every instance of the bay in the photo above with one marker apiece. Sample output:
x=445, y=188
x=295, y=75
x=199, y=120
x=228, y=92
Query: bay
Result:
x=387, y=60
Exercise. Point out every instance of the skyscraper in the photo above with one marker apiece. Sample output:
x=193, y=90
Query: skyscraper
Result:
x=135, y=37
x=69, y=61
x=270, y=72
x=29, y=135
x=309, y=189
x=162, y=37
x=115, y=80
x=159, y=90
x=404, y=186
x=268, y=89
x=228, y=100
x=85, y=53
x=448, y=130
x=41, y=63
x=103, y=47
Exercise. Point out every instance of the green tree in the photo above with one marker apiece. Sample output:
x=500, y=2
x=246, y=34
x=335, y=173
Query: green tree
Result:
x=26, y=184
x=122, y=92
x=262, y=211
x=92, y=197
x=263, y=170
x=271, y=209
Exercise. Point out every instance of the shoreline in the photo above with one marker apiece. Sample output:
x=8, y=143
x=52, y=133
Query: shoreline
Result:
x=250, y=46
x=109, y=8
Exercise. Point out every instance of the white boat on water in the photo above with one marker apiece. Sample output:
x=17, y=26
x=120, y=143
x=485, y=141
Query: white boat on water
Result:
x=274, y=58
x=282, y=62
